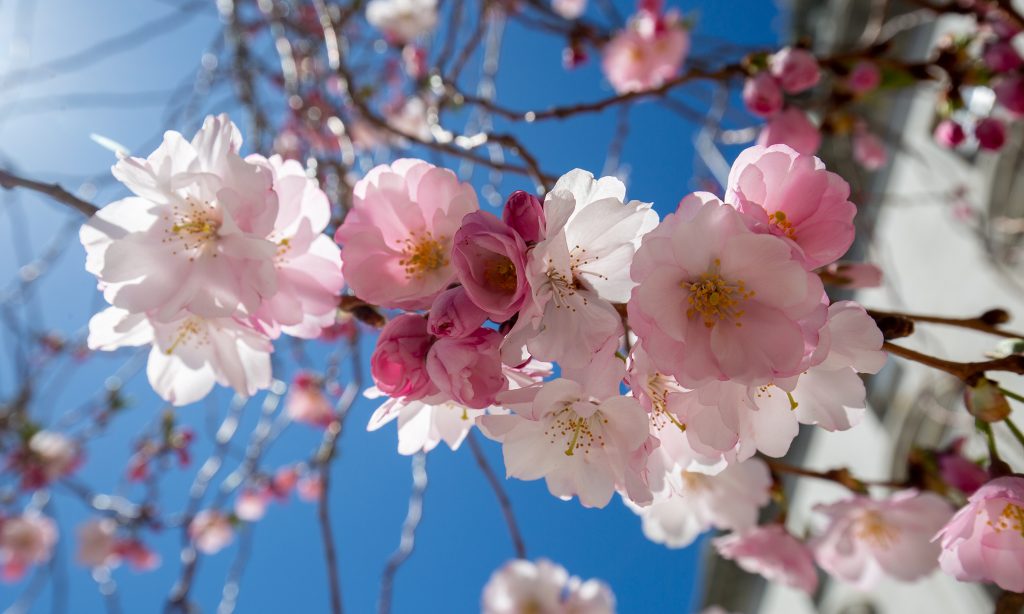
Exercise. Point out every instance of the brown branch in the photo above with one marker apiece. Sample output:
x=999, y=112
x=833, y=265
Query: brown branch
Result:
x=841, y=476
x=9, y=181
x=968, y=372
x=987, y=322
x=499, y=492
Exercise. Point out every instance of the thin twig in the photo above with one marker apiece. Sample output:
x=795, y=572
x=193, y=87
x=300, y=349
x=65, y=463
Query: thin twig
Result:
x=9, y=181
x=408, y=540
x=499, y=492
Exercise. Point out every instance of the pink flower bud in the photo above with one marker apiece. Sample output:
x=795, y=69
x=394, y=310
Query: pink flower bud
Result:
x=791, y=127
x=1010, y=93
x=1001, y=57
x=468, y=370
x=762, y=95
x=960, y=472
x=210, y=531
x=869, y=151
x=454, y=314
x=310, y=488
x=796, y=69
x=991, y=133
x=524, y=212
x=864, y=77
x=307, y=403
x=949, y=134
x=773, y=553
x=398, y=364
x=490, y=260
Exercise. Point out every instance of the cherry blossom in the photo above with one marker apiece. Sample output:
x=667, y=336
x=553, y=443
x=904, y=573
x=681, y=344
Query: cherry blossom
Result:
x=210, y=531
x=189, y=354
x=792, y=127
x=397, y=239
x=25, y=540
x=524, y=213
x=869, y=150
x=97, y=543
x=307, y=403
x=772, y=552
x=454, y=314
x=991, y=133
x=984, y=541
x=402, y=20
x=468, y=369
x=870, y=539
x=691, y=503
x=543, y=587
x=762, y=95
x=47, y=456
x=193, y=236
x=490, y=258
x=251, y=505
x=399, y=362
x=648, y=52
x=792, y=195
x=796, y=69
x=570, y=9
x=949, y=133
x=579, y=270
x=864, y=77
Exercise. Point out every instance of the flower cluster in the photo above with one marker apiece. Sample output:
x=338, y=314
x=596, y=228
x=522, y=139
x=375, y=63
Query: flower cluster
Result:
x=732, y=340
x=213, y=258
x=649, y=51
x=789, y=71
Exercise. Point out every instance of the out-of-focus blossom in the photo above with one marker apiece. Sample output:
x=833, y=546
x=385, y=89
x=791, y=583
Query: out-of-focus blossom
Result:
x=867, y=540
x=310, y=487
x=25, y=540
x=793, y=196
x=454, y=314
x=1010, y=92
x=543, y=587
x=991, y=133
x=1001, y=57
x=762, y=95
x=251, y=505
x=490, y=260
x=402, y=20
x=648, y=52
x=984, y=542
x=949, y=133
x=307, y=403
x=773, y=553
x=569, y=9
x=49, y=456
x=796, y=69
x=864, y=77
x=399, y=362
x=791, y=127
x=97, y=542
x=210, y=531
x=691, y=503
x=397, y=239
x=854, y=274
x=869, y=150
x=958, y=471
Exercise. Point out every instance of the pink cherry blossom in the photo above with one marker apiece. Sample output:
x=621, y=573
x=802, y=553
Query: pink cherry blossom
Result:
x=307, y=403
x=762, y=95
x=717, y=301
x=949, y=134
x=870, y=539
x=48, y=456
x=25, y=540
x=524, y=213
x=193, y=236
x=454, y=314
x=648, y=52
x=796, y=69
x=251, y=505
x=864, y=77
x=189, y=354
x=397, y=239
x=579, y=270
x=543, y=587
x=984, y=542
x=869, y=150
x=140, y=557
x=583, y=445
x=399, y=362
x=991, y=133
x=210, y=531
x=307, y=262
x=691, y=503
x=1010, y=92
x=310, y=487
x=792, y=195
x=791, y=127
x=97, y=543
x=1001, y=57
x=468, y=369
x=773, y=553
x=424, y=423
x=490, y=259
x=570, y=9
x=960, y=472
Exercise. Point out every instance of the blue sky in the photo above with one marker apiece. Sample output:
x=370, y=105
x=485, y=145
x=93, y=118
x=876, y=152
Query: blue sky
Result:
x=462, y=538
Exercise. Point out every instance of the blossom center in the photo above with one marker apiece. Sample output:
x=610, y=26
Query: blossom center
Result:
x=716, y=299
x=780, y=221
x=191, y=328
x=872, y=528
x=423, y=254
x=194, y=225
x=1011, y=518
x=694, y=482
x=500, y=274
x=577, y=432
